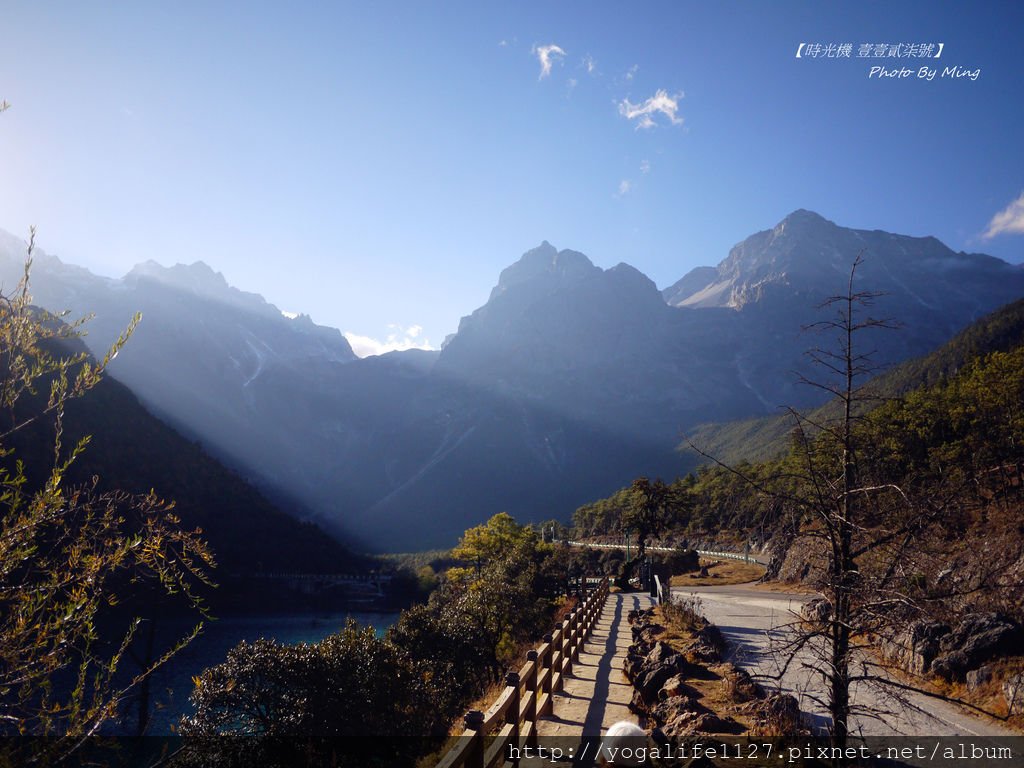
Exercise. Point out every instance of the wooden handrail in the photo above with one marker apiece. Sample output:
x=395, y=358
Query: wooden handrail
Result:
x=512, y=717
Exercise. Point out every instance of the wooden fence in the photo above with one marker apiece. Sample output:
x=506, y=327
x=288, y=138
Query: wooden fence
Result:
x=512, y=718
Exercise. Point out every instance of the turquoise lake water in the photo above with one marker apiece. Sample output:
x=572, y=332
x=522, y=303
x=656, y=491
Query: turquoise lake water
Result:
x=172, y=684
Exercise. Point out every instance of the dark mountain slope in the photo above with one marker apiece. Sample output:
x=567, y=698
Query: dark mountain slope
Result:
x=759, y=439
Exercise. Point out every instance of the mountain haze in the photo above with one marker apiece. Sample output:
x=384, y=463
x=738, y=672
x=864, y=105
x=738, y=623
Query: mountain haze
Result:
x=131, y=450
x=567, y=383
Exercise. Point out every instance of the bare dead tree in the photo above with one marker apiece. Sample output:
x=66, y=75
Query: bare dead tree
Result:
x=872, y=539
x=835, y=500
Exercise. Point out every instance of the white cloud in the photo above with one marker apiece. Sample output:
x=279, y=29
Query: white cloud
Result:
x=1009, y=221
x=289, y=315
x=544, y=56
x=631, y=73
x=625, y=187
x=590, y=64
x=571, y=84
x=645, y=166
x=398, y=339
x=644, y=113
x=503, y=44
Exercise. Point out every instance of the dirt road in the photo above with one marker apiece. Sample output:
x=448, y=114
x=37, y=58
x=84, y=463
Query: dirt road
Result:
x=751, y=618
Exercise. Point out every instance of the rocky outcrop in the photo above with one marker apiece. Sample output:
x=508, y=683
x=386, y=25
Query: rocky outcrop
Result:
x=660, y=675
x=816, y=611
x=651, y=674
x=1013, y=692
x=805, y=560
x=672, y=703
x=959, y=653
x=708, y=645
x=977, y=639
x=916, y=647
x=976, y=678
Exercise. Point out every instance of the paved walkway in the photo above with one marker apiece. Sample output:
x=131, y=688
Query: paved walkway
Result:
x=597, y=694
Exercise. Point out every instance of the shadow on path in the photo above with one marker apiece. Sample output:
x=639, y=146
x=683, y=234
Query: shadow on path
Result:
x=594, y=720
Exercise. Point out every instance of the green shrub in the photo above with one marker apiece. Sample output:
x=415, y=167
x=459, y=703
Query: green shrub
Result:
x=341, y=702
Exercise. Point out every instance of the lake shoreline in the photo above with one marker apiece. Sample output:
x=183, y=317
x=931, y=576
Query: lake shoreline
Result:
x=171, y=684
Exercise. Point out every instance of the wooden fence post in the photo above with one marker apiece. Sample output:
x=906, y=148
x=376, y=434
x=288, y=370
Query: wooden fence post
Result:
x=474, y=720
x=556, y=658
x=512, y=715
x=531, y=687
x=546, y=663
x=577, y=634
x=567, y=642
x=572, y=634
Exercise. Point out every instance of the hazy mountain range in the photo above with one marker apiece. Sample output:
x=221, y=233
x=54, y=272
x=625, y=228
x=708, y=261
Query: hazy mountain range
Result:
x=570, y=380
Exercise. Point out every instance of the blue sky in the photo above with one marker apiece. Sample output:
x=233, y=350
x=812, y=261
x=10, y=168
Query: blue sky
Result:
x=376, y=165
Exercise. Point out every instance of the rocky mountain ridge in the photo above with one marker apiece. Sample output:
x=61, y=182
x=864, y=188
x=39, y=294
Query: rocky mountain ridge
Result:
x=567, y=383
